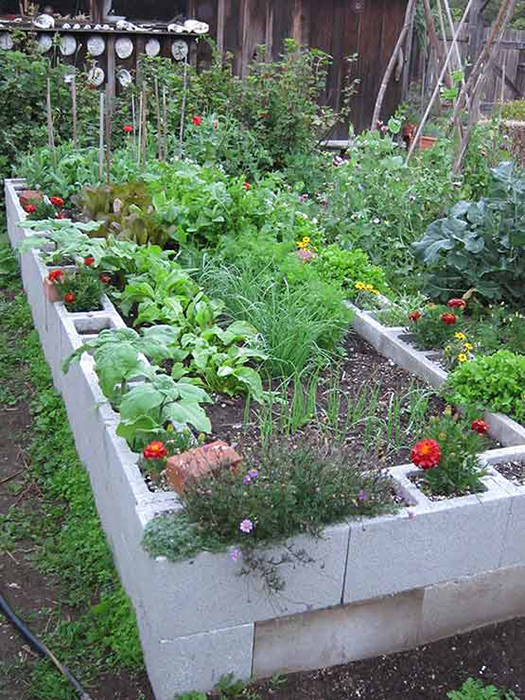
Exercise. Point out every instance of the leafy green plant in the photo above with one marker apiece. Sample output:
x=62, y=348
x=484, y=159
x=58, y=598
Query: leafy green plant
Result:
x=448, y=454
x=347, y=267
x=480, y=245
x=475, y=689
x=495, y=382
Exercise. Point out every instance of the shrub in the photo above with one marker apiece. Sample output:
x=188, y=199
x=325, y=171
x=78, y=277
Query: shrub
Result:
x=495, y=382
x=480, y=245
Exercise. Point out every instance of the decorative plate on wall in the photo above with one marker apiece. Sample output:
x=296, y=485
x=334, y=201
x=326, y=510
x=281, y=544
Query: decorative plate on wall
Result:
x=45, y=42
x=179, y=50
x=153, y=47
x=44, y=22
x=124, y=47
x=124, y=77
x=6, y=41
x=96, y=76
x=96, y=45
x=68, y=45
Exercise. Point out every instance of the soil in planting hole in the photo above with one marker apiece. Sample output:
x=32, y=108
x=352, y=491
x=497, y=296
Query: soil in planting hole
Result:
x=513, y=471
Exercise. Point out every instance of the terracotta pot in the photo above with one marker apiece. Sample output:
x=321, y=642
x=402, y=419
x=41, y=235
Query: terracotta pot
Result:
x=50, y=291
x=427, y=142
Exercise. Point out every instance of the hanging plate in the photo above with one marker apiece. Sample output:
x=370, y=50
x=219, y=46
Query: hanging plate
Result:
x=124, y=47
x=45, y=42
x=44, y=22
x=153, y=48
x=124, y=77
x=6, y=41
x=68, y=45
x=96, y=45
x=179, y=49
x=96, y=76
x=196, y=27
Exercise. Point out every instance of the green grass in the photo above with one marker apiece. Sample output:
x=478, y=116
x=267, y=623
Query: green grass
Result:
x=69, y=543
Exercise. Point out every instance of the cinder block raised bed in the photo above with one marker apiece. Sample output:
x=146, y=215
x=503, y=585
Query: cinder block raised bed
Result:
x=375, y=586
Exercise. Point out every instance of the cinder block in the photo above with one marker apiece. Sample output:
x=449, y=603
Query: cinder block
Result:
x=221, y=597
x=337, y=636
x=514, y=545
x=440, y=541
x=198, y=662
x=461, y=605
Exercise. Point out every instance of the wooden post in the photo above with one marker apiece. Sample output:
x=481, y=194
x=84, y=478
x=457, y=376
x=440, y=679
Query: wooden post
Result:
x=50, y=128
x=74, y=109
x=108, y=140
x=101, y=138
x=408, y=57
x=183, y=106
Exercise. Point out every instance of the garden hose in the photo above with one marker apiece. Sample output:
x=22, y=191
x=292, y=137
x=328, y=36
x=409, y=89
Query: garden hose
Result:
x=38, y=646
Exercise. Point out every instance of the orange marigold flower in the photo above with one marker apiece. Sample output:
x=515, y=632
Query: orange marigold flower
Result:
x=479, y=426
x=56, y=276
x=426, y=454
x=449, y=319
x=456, y=304
x=414, y=316
x=57, y=201
x=155, y=450
x=69, y=298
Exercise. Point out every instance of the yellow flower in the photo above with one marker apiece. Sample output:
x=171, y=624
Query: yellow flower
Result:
x=442, y=436
x=460, y=336
x=375, y=291
x=462, y=357
x=369, y=287
x=468, y=346
x=359, y=285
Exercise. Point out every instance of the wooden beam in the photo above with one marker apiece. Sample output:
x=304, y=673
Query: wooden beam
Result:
x=475, y=30
x=508, y=82
x=96, y=10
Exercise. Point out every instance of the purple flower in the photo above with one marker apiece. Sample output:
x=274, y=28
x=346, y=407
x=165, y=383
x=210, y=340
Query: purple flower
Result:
x=235, y=554
x=362, y=495
x=253, y=473
x=246, y=526
x=303, y=198
x=247, y=479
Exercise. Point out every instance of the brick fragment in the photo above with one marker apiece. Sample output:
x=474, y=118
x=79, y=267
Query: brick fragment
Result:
x=200, y=461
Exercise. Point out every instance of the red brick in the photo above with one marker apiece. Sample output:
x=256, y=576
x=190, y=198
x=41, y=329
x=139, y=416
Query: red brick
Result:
x=203, y=460
x=30, y=197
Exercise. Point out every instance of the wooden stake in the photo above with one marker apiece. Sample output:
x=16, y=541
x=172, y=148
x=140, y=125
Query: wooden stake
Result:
x=140, y=128
x=183, y=105
x=144, y=125
x=165, y=113
x=108, y=141
x=50, y=128
x=390, y=67
x=438, y=85
x=434, y=41
x=74, y=109
x=101, y=138
x=159, y=125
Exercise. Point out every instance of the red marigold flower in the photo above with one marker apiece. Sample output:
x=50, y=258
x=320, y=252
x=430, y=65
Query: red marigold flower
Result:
x=105, y=279
x=246, y=186
x=197, y=120
x=89, y=261
x=55, y=276
x=426, y=454
x=456, y=303
x=128, y=129
x=449, y=319
x=479, y=426
x=57, y=201
x=414, y=316
x=69, y=298
x=30, y=208
x=155, y=450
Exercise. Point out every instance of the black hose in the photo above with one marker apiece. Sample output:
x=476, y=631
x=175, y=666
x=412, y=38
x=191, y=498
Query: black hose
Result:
x=39, y=646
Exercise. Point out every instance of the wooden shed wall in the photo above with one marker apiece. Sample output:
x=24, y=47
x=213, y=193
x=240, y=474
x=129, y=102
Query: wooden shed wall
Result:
x=340, y=27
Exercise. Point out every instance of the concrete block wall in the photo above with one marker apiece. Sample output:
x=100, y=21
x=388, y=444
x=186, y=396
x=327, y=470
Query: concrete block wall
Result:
x=375, y=586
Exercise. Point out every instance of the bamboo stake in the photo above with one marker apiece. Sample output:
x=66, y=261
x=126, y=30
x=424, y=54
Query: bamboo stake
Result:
x=443, y=34
x=503, y=76
x=391, y=64
x=144, y=125
x=74, y=109
x=140, y=128
x=108, y=141
x=183, y=105
x=433, y=38
x=438, y=84
x=483, y=72
x=50, y=128
x=157, y=113
x=165, y=117
x=508, y=5
x=101, y=138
